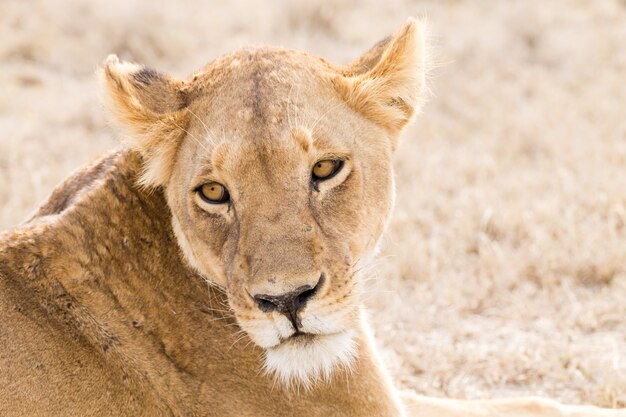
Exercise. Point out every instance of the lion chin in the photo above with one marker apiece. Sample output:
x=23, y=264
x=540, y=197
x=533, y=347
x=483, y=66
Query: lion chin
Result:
x=306, y=359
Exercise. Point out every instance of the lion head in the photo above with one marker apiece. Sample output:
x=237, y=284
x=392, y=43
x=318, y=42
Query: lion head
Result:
x=277, y=168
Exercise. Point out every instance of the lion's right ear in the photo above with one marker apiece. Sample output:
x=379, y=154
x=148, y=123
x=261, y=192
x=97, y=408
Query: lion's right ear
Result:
x=387, y=83
x=151, y=108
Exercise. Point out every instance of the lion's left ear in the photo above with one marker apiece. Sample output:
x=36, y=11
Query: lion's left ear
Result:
x=151, y=107
x=387, y=83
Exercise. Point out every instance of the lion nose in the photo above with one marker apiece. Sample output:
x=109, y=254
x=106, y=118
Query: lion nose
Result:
x=289, y=303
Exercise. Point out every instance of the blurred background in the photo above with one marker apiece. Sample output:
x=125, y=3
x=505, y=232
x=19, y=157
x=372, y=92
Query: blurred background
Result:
x=504, y=269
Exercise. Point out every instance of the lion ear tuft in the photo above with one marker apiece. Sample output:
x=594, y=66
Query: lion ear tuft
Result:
x=151, y=109
x=387, y=83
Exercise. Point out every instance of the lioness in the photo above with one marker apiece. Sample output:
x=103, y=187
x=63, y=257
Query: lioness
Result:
x=268, y=176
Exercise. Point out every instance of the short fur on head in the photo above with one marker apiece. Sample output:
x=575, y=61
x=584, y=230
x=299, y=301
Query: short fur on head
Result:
x=257, y=121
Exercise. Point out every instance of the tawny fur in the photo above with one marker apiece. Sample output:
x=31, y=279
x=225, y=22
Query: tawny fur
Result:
x=104, y=304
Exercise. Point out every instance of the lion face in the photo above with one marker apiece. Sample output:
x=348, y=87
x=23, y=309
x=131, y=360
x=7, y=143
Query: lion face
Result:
x=277, y=169
x=280, y=213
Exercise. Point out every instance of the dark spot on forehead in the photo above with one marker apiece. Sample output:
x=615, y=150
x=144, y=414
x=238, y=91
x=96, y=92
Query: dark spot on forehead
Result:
x=257, y=95
x=263, y=83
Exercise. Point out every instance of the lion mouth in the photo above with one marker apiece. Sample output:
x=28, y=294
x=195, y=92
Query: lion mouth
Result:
x=301, y=337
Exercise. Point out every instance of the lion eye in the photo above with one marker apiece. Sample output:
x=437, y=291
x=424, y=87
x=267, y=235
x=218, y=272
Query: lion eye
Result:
x=213, y=192
x=326, y=169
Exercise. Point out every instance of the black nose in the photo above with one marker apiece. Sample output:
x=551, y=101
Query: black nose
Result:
x=289, y=303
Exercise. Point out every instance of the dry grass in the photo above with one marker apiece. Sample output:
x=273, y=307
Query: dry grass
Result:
x=503, y=272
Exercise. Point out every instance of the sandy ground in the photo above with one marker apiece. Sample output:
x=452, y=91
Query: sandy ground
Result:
x=503, y=272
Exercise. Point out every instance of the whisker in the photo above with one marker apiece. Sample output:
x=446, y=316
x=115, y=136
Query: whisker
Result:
x=214, y=319
x=324, y=115
x=190, y=135
x=206, y=128
x=241, y=337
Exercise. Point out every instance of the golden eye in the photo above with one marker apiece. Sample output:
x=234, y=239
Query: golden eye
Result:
x=326, y=169
x=213, y=192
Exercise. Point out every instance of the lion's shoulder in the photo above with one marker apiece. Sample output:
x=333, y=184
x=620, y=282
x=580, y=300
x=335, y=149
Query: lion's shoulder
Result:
x=111, y=166
x=96, y=225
